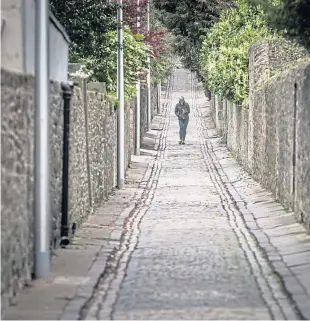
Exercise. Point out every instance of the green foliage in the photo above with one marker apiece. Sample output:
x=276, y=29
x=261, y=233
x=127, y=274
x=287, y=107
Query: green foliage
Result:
x=103, y=65
x=290, y=17
x=91, y=26
x=86, y=22
x=224, y=54
x=188, y=21
x=164, y=64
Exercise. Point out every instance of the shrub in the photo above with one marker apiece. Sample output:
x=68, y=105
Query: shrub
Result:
x=224, y=55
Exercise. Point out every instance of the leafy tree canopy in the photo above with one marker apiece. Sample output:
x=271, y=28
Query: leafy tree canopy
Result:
x=91, y=26
x=86, y=22
x=103, y=63
x=224, y=55
x=189, y=21
x=290, y=17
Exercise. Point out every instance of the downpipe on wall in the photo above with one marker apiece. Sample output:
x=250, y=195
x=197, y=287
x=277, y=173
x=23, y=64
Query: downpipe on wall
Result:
x=67, y=89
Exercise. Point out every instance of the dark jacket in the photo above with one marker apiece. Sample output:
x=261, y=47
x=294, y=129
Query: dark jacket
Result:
x=182, y=111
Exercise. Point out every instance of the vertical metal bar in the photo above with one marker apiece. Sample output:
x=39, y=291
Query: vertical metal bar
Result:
x=138, y=104
x=120, y=93
x=42, y=151
x=149, y=100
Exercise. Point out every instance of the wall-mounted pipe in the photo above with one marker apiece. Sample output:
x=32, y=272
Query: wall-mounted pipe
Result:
x=67, y=89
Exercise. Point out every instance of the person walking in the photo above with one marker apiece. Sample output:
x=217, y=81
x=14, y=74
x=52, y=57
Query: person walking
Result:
x=182, y=111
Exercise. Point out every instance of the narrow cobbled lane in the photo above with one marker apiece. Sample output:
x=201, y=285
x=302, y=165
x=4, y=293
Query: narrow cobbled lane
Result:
x=187, y=253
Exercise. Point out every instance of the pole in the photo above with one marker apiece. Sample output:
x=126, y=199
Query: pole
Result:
x=138, y=105
x=149, y=101
x=42, y=205
x=120, y=93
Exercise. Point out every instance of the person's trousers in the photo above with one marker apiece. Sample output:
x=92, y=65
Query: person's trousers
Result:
x=183, y=126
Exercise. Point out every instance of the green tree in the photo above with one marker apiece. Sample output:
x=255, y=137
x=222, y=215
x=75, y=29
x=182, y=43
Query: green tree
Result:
x=91, y=26
x=290, y=17
x=86, y=22
x=164, y=62
x=103, y=64
x=224, y=55
x=189, y=21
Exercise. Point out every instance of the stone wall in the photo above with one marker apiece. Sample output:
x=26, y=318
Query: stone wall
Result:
x=132, y=125
x=92, y=168
x=17, y=178
x=270, y=135
x=302, y=134
x=93, y=141
x=127, y=134
x=268, y=57
x=143, y=111
x=154, y=99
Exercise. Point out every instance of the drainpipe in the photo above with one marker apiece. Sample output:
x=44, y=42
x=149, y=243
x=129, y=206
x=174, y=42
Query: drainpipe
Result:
x=67, y=95
x=42, y=196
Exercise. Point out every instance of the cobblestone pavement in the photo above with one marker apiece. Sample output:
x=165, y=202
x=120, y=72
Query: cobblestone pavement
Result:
x=188, y=252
